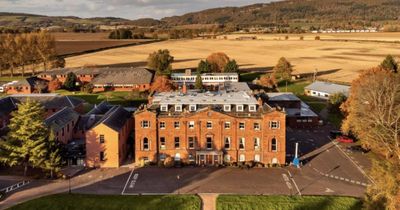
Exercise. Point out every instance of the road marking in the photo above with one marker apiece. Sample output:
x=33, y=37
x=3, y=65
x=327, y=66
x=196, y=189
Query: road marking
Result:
x=351, y=159
x=294, y=182
x=126, y=184
x=329, y=190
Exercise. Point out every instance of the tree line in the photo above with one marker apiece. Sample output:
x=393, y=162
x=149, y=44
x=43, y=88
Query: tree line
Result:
x=17, y=51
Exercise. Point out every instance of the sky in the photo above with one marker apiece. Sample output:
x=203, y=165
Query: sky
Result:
x=130, y=9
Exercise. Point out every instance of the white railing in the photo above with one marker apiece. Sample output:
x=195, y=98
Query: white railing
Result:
x=15, y=186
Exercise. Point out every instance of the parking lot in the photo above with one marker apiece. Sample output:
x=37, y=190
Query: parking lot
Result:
x=327, y=170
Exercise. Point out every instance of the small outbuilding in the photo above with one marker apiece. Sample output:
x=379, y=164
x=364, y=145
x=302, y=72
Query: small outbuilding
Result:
x=323, y=90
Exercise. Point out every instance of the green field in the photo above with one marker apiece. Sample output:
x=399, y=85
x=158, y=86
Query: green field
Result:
x=114, y=97
x=111, y=202
x=254, y=202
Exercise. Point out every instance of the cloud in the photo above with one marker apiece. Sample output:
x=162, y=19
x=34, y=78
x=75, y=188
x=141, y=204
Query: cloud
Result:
x=131, y=9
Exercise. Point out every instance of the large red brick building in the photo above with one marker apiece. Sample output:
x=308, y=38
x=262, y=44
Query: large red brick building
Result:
x=209, y=128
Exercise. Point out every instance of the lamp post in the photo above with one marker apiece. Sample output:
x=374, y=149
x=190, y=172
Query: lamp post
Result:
x=178, y=178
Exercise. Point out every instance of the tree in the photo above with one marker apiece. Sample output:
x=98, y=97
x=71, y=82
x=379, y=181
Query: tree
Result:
x=335, y=101
x=231, y=66
x=199, y=83
x=87, y=88
x=203, y=67
x=53, y=156
x=218, y=61
x=283, y=70
x=160, y=61
x=162, y=84
x=26, y=141
x=373, y=116
x=54, y=84
x=70, y=81
x=59, y=62
x=40, y=86
x=120, y=34
x=390, y=64
x=267, y=81
x=46, y=48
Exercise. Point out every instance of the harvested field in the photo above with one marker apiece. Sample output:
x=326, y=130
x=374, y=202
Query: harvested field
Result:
x=334, y=60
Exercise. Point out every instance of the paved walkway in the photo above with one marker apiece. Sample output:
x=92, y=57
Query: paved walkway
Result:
x=209, y=200
x=39, y=188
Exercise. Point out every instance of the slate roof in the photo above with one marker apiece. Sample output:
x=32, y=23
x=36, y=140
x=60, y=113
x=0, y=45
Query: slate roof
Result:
x=49, y=101
x=77, y=71
x=123, y=76
x=327, y=87
x=282, y=96
x=116, y=118
x=60, y=119
x=6, y=106
x=30, y=81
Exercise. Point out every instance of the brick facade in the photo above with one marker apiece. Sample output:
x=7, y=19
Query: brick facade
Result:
x=209, y=125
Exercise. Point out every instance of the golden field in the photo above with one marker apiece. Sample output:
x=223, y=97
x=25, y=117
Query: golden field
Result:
x=334, y=60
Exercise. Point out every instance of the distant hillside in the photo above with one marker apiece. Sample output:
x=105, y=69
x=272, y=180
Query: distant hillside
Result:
x=302, y=13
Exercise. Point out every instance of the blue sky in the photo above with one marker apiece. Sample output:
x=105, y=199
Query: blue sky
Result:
x=131, y=9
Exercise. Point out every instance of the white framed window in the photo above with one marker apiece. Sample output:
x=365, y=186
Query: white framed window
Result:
x=191, y=142
x=242, y=158
x=274, y=124
x=257, y=158
x=162, y=143
x=227, y=125
x=176, y=142
x=178, y=108
x=192, y=107
x=227, y=108
x=209, y=125
x=145, y=124
x=257, y=126
x=177, y=125
x=241, y=143
x=191, y=124
x=164, y=108
x=209, y=143
x=227, y=143
x=239, y=108
x=241, y=126
x=256, y=143
x=146, y=144
x=162, y=125
x=252, y=108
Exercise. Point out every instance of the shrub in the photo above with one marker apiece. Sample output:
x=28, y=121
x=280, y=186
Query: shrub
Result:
x=317, y=38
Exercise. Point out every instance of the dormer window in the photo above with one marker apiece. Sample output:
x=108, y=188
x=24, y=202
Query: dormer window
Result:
x=192, y=107
x=164, y=108
x=239, y=108
x=227, y=108
x=252, y=108
x=178, y=108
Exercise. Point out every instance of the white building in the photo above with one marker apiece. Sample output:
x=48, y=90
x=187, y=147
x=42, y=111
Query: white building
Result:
x=325, y=89
x=207, y=78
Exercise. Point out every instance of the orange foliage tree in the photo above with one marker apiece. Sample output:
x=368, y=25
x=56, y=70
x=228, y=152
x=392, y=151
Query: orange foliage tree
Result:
x=218, y=61
x=162, y=84
x=267, y=81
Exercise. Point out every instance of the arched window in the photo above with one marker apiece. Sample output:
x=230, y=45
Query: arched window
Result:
x=274, y=145
x=145, y=144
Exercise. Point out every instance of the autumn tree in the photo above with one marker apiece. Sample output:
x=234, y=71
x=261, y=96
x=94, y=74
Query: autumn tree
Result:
x=26, y=141
x=54, y=84
x=46, y=48
x=283, y=70
x=373, y=116
x=203, y=67
x=267, y=80
x=231, y=66
x=162, y=84
x=218, y=61
x=390, y=64
x=160, y=61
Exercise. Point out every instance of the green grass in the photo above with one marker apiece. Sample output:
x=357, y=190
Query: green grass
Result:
x=114, y=97
x=335, y=119
x=238, y=202
x=111, y=202
x=317, y=107
x=250, y=76
x=296, y=87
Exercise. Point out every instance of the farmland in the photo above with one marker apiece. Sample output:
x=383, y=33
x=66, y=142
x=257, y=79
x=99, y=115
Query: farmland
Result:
x=339, y=60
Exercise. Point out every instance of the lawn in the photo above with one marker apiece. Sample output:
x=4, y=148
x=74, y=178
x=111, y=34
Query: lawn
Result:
x=114, y=97
x=254, y=202
x=296, y=87
x=110, y=202
x=250, y=76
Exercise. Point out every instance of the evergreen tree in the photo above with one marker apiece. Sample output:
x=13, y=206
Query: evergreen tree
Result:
x=199, y=83
x=70, y=82
x=25, y=143
x=390, y=64
x=231, y=66
x=53, y=157
x=203, y=67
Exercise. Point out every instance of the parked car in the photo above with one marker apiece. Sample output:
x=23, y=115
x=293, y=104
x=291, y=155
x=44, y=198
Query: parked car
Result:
x=335, y=133
x=358, y=148
x=344, y=139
